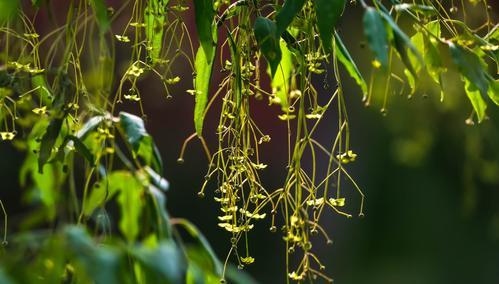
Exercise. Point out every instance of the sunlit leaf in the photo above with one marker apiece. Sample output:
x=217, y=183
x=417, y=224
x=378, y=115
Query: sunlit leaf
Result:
x=344, y=57
x=494, y=90
x=154, y=20
x=205, y=57
x=423, y=9
x=39, y=82
x=477, y=101
x=205, y=26
x=281, y=80
x=131, y=203
x=403, y=43
x=265, y=34
x=377, y=36
x=204, y=69
x=328, y=12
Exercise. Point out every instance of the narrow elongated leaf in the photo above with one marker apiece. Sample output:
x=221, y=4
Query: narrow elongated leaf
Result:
x=130, y=201
x=100, y=11
x=38, y=81
x=204, y=69
x=157, y=179
x=423, y=9
x=477, y=101
x=48, y=142
x=265, y=34
x=494, y=90
x=205, y=25
x=285, y=16
x=470, y=66
x=205, y=57
x=82, y=149
x=234, y=54
x=89, y=126
x=199, y=237
x=281, y=80
x=344, y=57
x=328, y=12
x=157, y=200
x=376, y=34
x=154, y=19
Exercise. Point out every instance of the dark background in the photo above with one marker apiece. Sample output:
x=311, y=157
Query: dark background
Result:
x=431, y=181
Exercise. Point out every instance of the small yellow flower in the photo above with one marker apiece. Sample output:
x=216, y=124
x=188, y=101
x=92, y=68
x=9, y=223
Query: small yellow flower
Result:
x=287, y=116
x=40, y=110
x=122, y=38
x=135, y=71
x=376, y=64
x=7, y=135
x=172, y=81
x=247, y=260
x=133, y=97
x=295, y=276
x=340, y=202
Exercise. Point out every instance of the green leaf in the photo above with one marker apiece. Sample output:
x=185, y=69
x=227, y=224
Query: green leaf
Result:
x=163, y=263
x=48, y=142
x=141, y=142
x=328, y=12
x=38, y=81
x=130, y=201
x=106, y=189
x=281, y=80
x=100, y=263
x=8, y=9
x=234, y=54
x=344, y=57
x=287, y=13
x=154, y=19
x=82, y=149
x=237, y=276
x=89, y=126
x=216, y=265
x=157, y=179
x=100, y=11
x=205, y=57
x=476, y=99
x=494, y=90
x=204, y=69
x=470, y=66
x=377, y=37
x=423, y=9
x=402, y=42
x=266, y=37
x=158, y=203
x=205, y=26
